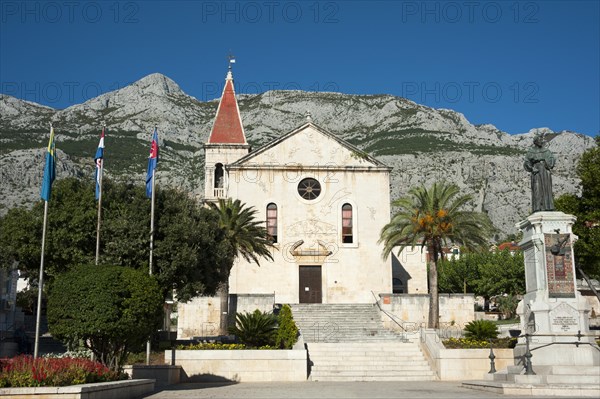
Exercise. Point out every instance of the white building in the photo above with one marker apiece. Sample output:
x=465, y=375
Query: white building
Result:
x=324, y=202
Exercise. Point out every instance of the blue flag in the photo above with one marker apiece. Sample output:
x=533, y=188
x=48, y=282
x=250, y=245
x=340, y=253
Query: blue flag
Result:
x=99, y=160
x=49, y=169
x=152, y=161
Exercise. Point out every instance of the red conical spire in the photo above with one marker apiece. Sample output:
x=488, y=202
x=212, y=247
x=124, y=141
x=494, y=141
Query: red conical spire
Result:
x=228, y=128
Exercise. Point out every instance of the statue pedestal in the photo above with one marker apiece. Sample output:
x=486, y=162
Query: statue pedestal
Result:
x=552, y=310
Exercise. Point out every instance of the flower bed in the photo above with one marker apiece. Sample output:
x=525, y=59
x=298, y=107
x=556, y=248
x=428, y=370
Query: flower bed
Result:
x=218, y=346
x=25, y=371
x=470, y=343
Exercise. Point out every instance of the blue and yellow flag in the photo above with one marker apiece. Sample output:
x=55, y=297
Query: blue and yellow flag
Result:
x=49, y=169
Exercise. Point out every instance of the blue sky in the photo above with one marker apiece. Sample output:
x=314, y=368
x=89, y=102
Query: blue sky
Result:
x=514, y=64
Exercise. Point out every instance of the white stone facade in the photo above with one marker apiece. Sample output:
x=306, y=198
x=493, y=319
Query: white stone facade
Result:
x=309, y=230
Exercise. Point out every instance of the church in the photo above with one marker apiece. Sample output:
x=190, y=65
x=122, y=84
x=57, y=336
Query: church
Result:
x=324, y=203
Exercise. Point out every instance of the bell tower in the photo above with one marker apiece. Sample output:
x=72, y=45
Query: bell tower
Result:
x=226, y=143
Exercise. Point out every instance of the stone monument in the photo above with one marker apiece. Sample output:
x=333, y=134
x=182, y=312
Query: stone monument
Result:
x=552, y=311
x=539, y=161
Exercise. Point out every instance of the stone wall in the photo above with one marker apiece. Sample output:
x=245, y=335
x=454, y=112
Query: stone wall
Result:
x=200, y=316
x=240, y=365
x=411, y=311
x=461, y=364
x=130, y=389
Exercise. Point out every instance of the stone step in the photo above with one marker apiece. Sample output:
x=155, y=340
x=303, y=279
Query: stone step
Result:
x=573, y=379
x=324, y=357
x=379, y=354
x=374, y=373
x=342, y=341
x=398, y=377
x=368, y=350
x=337, y=337
x=345, y=331
x=367, y=346
x=332, y=323
x=413, y=354
x=575, y=370
x=371, y=367
x=349, y=343
x=364, y=360
x=329, y=362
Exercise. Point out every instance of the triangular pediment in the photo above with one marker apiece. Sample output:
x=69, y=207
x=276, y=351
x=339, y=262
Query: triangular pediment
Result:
x=310, y=145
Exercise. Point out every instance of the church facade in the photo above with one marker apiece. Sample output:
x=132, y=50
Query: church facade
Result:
x=324, y=202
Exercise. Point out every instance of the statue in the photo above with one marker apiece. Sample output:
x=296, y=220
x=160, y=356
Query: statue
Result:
x=539, y=161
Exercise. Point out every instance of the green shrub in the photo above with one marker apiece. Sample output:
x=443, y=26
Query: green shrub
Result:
x=507, y=305
x=111, y=309
x=481, y=330
x=255, y=329
x=287, y=333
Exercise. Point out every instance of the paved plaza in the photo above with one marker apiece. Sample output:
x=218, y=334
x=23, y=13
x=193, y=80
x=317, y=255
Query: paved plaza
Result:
x=325, y=390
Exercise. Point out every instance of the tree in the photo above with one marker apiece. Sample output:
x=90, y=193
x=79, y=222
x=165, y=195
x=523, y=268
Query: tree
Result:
x=500, y=273
x=246, y=237
x=587, y=209
x=111, y=309
x=189, y=250
x=433, y=218
x=287, y=330
x=457, y=275
x=70, y=237
x=484, y=273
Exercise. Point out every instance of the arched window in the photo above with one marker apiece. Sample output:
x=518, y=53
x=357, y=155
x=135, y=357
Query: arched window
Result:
x=219, y=176
x=272, y=221
x=347, y=224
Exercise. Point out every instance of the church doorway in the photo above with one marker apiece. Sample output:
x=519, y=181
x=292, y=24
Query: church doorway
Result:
x=310, y=284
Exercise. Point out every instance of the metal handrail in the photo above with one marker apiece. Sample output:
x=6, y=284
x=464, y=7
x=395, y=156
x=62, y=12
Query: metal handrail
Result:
x=392, y=317
x=528, y=355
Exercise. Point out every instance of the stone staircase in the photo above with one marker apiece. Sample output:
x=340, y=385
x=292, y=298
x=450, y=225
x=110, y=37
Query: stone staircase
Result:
x=571, y=381
x=349, y=343
x=368, y=361
x=341, y=323
x=550, y=375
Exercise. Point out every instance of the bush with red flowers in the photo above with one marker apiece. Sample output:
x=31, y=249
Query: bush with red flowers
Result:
x=25, y=371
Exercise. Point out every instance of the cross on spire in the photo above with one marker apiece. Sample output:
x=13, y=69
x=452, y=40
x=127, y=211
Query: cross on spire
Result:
x=231, y=59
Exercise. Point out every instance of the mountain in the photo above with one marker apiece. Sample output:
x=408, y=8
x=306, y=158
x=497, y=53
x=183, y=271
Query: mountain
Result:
x=422, y=144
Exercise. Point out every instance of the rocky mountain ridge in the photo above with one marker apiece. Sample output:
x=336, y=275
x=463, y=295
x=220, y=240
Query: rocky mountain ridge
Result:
x=422, y=144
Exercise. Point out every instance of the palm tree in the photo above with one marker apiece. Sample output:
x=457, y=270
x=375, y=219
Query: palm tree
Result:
x=247, y=238
x=433, y=218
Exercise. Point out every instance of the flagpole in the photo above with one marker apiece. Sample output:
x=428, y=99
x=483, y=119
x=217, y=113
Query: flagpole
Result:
x=151, y=244
x=38, y=317
x=152, y=222
x=41, y=286
x=101, y=169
